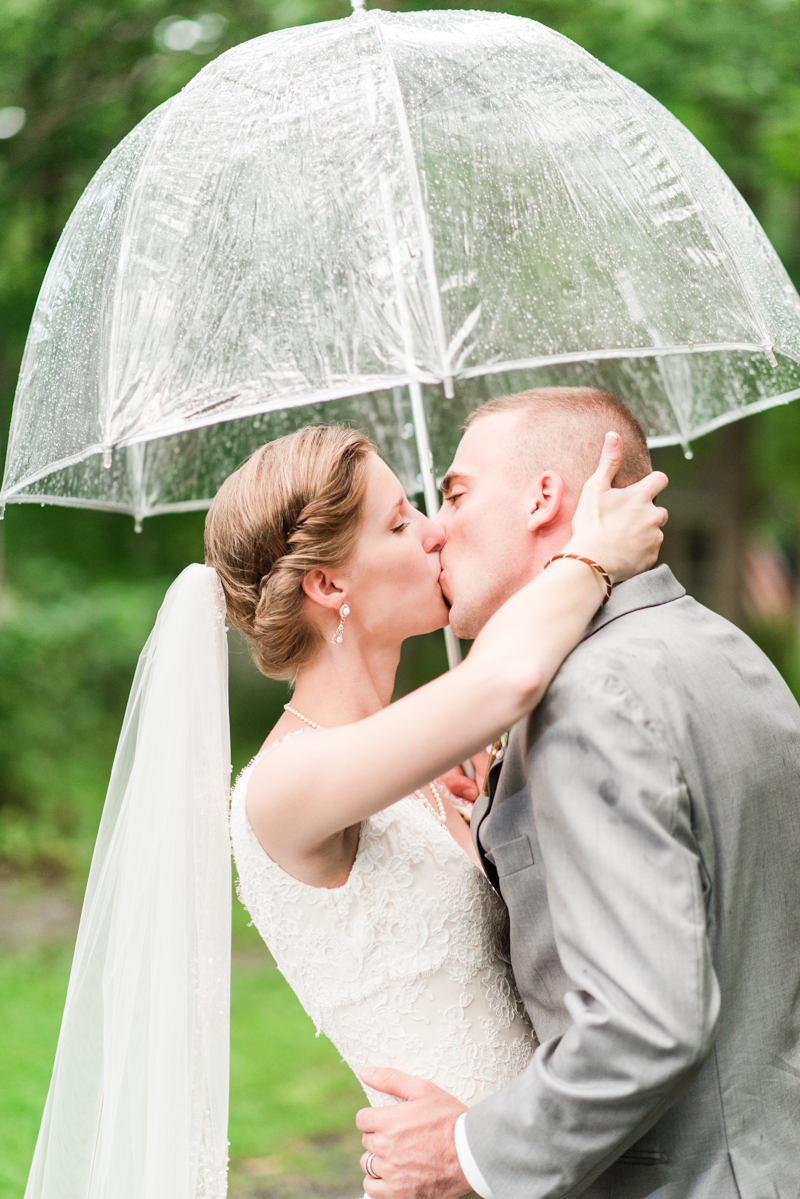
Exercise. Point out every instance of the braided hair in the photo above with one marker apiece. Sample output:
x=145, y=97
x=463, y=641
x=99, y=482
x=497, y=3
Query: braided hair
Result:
x=294, y=506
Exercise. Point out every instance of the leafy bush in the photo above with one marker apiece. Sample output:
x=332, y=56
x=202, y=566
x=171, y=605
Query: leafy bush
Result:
x=68, y=650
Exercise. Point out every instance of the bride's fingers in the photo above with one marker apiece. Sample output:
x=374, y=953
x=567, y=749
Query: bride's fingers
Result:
x=651, y=484
x=610, y=459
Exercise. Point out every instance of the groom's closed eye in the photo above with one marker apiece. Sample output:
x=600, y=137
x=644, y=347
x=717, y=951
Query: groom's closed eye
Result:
x=452, y=488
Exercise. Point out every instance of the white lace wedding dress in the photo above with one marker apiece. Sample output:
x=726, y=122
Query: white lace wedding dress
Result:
x=406, y=964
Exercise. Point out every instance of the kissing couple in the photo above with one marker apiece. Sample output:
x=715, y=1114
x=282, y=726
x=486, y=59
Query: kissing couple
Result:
x=584, y=979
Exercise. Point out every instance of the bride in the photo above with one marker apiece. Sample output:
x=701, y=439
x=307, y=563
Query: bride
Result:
x=373, y=905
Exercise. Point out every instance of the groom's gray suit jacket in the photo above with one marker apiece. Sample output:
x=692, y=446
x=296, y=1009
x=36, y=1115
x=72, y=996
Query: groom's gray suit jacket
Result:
x=645, y=835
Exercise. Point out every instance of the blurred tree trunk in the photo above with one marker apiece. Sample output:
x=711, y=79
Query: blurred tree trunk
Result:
x=730, y=475
x=710, y=509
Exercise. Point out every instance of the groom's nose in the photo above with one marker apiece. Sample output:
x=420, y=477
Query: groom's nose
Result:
x=434, y=537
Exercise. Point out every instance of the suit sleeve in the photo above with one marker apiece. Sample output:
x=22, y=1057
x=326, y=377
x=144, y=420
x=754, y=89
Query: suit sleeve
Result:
x=614, y=823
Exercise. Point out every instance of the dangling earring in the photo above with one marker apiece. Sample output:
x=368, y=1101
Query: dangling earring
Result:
x=344, y=612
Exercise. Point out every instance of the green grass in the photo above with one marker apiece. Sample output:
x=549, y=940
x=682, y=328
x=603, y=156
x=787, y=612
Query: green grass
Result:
x=290, y=1092
x=285, y=1082
x=32, y=990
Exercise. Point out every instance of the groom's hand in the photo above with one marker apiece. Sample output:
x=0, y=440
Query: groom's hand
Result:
x=465, y=788
x=413, y=1142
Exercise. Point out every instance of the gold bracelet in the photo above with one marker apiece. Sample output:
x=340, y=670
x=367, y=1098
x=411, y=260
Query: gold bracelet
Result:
x=594, y=565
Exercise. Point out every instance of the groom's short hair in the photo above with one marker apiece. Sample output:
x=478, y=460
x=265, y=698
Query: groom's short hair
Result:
x=562, y=428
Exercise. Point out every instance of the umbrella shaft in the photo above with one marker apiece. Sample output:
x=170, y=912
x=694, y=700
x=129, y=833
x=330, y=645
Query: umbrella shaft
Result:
x=429, y=488
x=430, y=492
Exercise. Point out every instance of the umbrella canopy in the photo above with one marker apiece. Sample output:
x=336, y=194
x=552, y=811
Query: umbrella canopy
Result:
x=378, y=220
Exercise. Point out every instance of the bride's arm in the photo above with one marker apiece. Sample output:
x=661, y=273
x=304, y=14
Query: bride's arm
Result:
x=346, y=774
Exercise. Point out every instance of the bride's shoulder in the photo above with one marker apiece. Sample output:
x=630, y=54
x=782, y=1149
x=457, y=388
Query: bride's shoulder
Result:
x=270, y=761
x=290, y=775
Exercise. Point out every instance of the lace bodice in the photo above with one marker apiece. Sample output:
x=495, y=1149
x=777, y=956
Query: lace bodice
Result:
x=406, y=964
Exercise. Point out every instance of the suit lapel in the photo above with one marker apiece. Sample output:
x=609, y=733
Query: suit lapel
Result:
x=483, y=805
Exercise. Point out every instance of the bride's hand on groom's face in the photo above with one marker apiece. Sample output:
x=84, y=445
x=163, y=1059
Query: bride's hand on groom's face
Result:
x=619, y=527
x=412, y=1143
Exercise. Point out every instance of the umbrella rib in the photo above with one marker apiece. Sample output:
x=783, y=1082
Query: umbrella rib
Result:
x=668, y=391
x=109, y=357
x=515, y=364
x=69, y=501
x=426, y=237
x=728, y=418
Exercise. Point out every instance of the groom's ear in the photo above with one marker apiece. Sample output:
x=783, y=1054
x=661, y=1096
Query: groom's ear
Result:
x=545, y=501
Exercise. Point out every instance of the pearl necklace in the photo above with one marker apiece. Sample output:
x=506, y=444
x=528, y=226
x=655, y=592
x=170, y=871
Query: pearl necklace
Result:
x=439, y=814
x=300, y=716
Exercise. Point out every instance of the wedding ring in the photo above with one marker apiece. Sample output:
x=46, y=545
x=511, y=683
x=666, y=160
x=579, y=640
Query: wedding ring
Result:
x=368, y=1166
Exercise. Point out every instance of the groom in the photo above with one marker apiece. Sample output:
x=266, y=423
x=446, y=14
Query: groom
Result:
x=644, y=833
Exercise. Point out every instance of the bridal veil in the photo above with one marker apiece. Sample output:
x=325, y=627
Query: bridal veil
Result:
x=138, y=1103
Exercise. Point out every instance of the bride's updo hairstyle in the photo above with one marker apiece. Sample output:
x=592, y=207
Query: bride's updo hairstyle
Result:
x=294, y=506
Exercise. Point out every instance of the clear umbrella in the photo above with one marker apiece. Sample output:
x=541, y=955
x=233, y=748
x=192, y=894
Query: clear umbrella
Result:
x=385, y=220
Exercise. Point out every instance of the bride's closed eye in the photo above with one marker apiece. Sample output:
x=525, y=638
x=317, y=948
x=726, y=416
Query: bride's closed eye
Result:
x=399, y=528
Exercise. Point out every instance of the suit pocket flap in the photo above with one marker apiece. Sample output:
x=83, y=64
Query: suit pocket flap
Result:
x=512, y=855
x=642, y=1157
